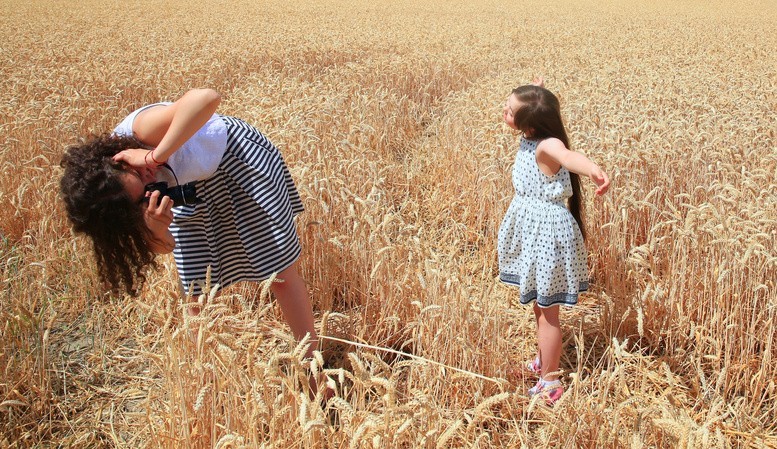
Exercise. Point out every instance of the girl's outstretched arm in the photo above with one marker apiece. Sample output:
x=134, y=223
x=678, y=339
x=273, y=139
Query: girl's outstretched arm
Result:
x=166, y=128
x=553, y=152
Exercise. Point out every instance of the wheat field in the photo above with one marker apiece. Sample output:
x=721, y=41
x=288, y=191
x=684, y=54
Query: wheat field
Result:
x=389, y=117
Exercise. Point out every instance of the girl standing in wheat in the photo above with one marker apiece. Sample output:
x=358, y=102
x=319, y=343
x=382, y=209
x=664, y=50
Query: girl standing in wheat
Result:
x=541, y=248
x=238, y=222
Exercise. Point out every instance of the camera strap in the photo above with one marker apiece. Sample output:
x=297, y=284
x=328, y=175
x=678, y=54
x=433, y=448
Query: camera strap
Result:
x=167, y=166
x=178, y=185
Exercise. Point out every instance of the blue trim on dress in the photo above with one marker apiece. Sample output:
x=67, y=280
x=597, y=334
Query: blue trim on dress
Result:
x=567, y=299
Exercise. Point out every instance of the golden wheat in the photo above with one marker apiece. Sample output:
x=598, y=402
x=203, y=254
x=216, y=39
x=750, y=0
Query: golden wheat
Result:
x=389, y=118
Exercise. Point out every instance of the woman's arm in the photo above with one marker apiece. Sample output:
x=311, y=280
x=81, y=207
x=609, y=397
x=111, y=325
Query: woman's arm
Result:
x=553, y=152
x=166, y=128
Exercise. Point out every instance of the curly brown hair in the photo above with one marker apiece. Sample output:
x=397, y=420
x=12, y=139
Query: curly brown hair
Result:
x=98, y=205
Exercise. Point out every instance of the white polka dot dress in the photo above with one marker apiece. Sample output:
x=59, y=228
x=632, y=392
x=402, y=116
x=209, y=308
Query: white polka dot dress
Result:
x=541, y=249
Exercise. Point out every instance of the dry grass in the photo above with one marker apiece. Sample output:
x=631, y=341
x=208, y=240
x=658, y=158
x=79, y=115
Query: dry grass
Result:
x=389, y=116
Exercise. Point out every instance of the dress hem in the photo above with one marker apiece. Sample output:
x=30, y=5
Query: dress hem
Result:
x=563, y=298
x=198, y=284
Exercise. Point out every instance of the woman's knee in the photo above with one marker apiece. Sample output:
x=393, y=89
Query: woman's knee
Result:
x=286, y=279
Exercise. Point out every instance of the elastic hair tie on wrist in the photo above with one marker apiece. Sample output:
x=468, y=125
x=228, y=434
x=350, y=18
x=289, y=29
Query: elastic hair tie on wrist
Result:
x=145, y=158
x=154, y=159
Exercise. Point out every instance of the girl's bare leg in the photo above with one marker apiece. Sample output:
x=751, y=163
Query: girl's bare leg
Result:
x=292, y=296
x=549, y=340
x=537, y=313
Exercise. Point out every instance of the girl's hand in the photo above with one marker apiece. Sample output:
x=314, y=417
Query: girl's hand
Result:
x=538, y=81
x=601, y=179
x=135, y=158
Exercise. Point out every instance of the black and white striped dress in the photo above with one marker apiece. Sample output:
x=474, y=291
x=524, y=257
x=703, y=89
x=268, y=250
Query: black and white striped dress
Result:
x=244, y=229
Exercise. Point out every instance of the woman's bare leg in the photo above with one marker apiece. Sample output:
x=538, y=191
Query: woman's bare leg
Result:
x=292, y=296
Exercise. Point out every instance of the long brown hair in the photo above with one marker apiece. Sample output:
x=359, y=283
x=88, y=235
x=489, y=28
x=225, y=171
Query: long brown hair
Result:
x=98, y=205
x=539, y=117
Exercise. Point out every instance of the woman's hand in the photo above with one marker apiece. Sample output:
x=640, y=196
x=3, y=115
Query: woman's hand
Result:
x=600, y=178
x=137, y=158
x=158, y=216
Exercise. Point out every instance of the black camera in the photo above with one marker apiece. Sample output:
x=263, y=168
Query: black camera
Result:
x=185, y=194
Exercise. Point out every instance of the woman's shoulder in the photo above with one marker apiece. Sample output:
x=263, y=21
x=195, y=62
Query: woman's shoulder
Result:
x=125, y=126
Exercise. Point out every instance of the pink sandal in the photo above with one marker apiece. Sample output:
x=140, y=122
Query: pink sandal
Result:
x=534, y=366
x=551, y=391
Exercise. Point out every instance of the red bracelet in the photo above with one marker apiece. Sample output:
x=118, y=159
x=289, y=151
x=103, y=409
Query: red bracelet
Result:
x=145, y=158
x=154, y=159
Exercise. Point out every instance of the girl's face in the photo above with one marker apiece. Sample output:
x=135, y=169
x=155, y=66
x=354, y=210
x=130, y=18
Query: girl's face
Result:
x=135, y=183
x=510, y=108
